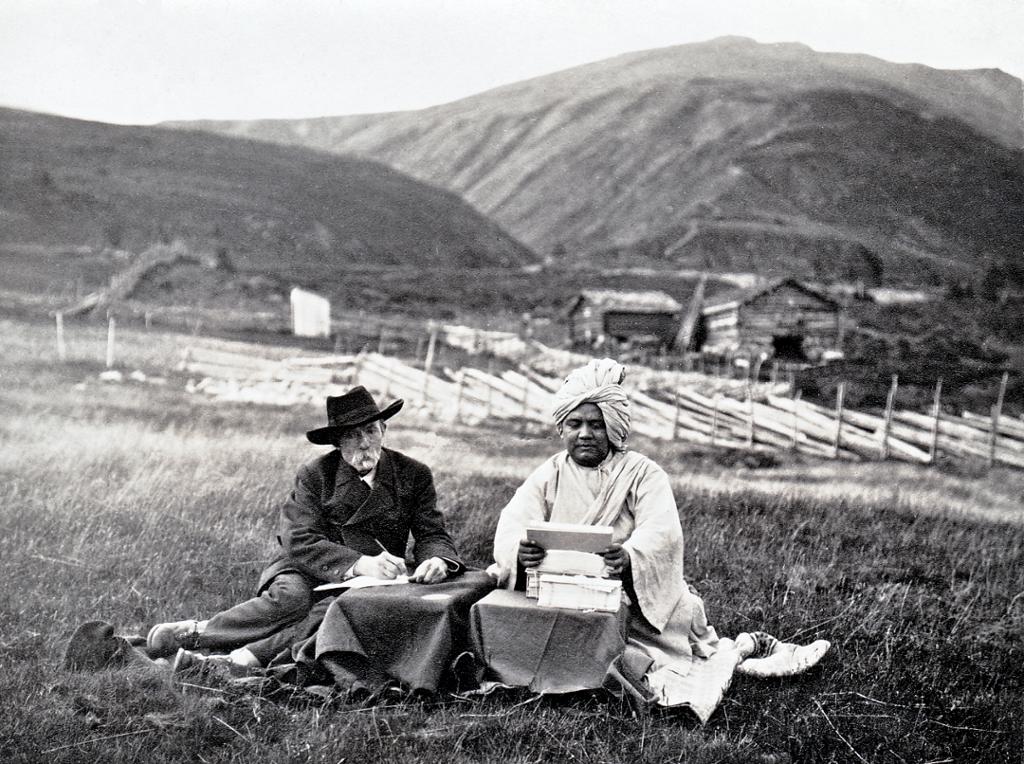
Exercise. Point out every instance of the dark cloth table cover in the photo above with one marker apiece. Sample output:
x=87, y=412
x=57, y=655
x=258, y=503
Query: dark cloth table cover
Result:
x=409, y=633
x=548, y=650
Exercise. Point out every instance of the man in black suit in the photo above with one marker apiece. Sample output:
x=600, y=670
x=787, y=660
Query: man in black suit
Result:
x=350, y=514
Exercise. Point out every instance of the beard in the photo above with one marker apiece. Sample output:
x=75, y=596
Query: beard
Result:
x=363, y=460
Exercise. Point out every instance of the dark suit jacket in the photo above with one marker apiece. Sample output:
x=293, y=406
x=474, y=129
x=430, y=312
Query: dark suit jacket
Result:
x=328, y=522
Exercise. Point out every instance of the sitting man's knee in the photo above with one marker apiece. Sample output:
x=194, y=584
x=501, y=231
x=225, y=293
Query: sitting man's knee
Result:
x=291, y=593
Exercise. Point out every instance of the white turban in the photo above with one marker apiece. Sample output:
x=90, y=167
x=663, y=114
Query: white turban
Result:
x=600, y=383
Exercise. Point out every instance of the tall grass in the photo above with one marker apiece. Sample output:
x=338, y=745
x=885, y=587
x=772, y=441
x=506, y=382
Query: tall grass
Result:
x=136, y=503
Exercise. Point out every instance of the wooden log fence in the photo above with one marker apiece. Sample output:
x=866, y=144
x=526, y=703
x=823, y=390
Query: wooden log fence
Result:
x=768, y=422
x=664, y=409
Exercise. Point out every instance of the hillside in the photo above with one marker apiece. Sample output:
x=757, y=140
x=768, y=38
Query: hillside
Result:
x=729, y=155
x=266, y=208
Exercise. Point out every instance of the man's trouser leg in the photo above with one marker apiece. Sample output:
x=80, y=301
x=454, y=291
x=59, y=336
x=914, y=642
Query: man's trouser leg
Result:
x=299, y=631
x=294, y=648
x=284, y=602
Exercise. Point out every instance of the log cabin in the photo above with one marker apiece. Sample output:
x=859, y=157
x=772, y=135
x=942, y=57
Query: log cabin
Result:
x=784, y=319
x=610, y=317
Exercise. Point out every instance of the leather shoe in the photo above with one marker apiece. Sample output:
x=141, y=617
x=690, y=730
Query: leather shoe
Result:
x=164, y=639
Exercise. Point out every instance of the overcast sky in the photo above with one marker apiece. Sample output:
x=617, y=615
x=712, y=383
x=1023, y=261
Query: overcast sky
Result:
x=142, y=61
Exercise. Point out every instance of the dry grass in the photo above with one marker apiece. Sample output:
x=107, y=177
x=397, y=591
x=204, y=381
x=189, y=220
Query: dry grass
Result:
x=135, y=503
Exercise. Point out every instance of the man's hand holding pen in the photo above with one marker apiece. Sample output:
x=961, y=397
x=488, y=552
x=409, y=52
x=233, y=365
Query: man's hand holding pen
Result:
x=383, y=565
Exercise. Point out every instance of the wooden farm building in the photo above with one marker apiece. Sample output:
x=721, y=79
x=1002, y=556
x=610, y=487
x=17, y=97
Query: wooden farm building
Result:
x=601, y=316
x=784, y=319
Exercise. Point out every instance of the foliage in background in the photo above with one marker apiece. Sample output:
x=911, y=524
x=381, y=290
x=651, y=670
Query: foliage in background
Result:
x=968, y=343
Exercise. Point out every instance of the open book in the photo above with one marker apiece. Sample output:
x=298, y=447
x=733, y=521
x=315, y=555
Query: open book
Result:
x=362, y=582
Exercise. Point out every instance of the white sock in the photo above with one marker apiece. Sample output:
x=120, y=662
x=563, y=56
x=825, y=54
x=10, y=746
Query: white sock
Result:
x=745, y=644
x=786, y=660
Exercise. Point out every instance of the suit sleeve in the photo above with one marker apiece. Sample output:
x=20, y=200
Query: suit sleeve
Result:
x=304, y=532
x=427, y=525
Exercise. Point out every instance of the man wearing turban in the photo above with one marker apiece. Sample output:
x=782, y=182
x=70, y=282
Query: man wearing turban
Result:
x=596, y=480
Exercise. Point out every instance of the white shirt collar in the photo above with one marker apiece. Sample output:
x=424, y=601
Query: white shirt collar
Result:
x=369, y=477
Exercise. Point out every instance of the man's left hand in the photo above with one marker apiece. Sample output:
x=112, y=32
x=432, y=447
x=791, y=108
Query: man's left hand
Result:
x=430, y=571
x=616, y=559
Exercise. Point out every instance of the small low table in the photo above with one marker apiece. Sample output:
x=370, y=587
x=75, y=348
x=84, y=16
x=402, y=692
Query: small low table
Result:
x=405, y=633
x=548, y=650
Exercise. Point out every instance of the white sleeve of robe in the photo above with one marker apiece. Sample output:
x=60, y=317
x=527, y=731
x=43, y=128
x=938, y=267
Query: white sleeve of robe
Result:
x=527, y=505
x=655, y=547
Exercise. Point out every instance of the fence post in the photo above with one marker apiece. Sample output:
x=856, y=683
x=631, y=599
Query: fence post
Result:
x=714, y=418
x=775, y=373
x=490, y=394
x=750, y=414
x=840, y=398
x=757, y=368
x=429, y=360
x=62, y=351
x=675, y=417
x=526, y=396
x=997, y=411
x=110, y=341
x=887, y=423
x=795, y=434
x=357, y=372
x=380, y=338
x=933, y=447
x=458, y=395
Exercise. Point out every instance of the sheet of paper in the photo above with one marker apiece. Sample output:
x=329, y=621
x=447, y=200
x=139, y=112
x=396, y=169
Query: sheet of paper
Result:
x=362, y=582
x=569, y=561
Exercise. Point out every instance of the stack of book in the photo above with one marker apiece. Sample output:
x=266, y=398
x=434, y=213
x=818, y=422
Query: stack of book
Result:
x=579, y=592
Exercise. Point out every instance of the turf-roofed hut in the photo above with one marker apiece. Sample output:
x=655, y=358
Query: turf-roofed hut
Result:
x=784, y=319
x=601, y=318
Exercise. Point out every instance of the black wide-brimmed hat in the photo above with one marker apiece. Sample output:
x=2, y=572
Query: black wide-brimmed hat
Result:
x=353, y=409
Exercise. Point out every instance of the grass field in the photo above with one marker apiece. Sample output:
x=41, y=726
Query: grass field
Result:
x=136, y=503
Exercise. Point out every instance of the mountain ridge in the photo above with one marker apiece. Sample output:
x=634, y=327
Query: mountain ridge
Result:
x=867, y=163
x=998, y=95
x=271, y=208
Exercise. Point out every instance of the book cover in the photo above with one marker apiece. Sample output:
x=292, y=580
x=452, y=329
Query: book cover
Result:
x=577, y=538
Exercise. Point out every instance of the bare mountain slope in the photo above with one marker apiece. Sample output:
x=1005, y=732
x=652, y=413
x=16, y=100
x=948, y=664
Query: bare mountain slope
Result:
x=727, y=154
x=270, y=208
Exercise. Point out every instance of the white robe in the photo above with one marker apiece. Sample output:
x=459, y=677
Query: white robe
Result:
x=632, y=494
